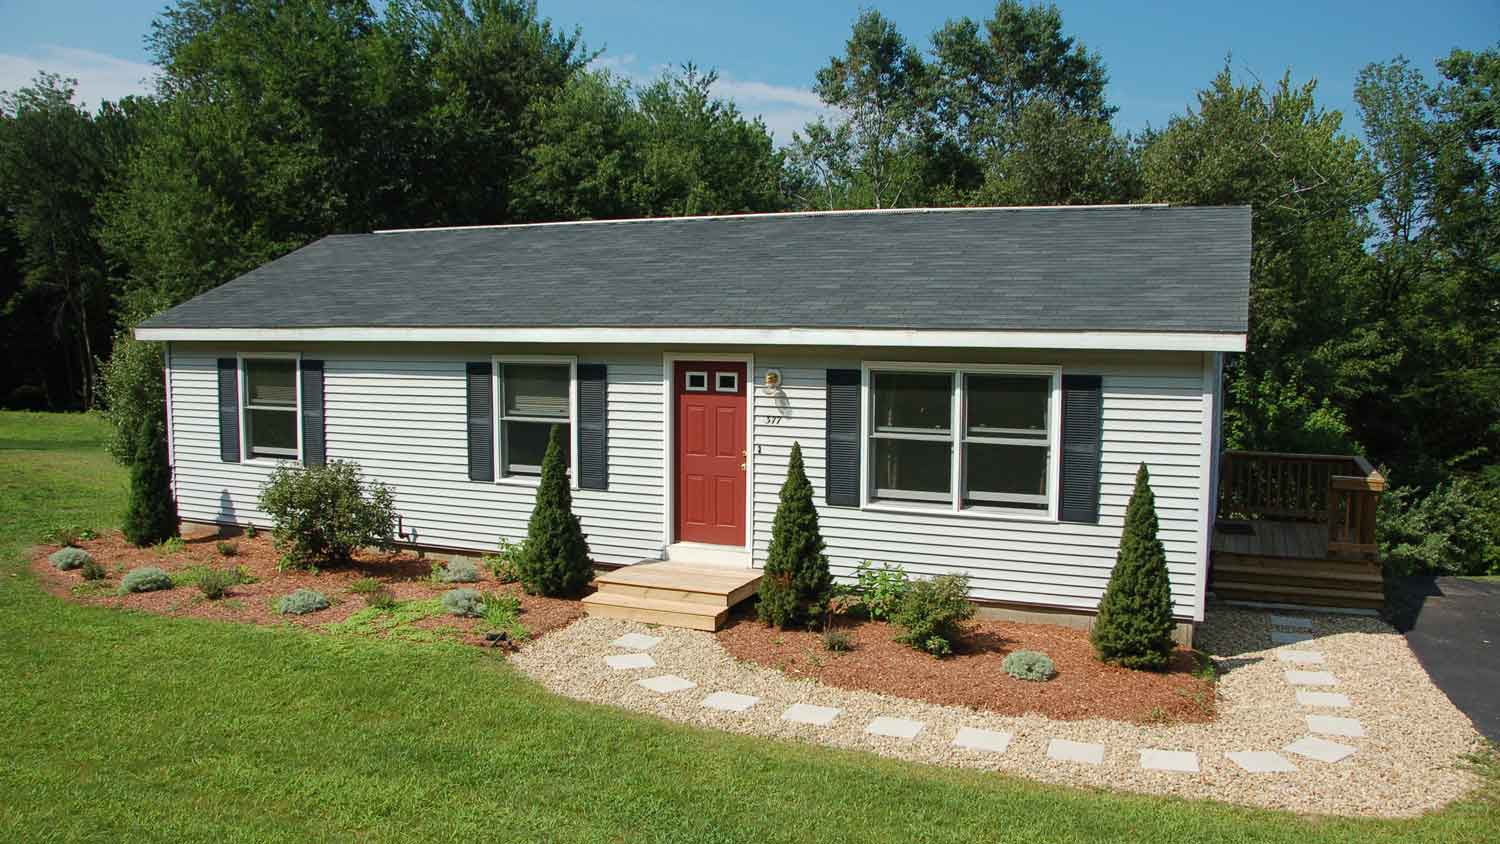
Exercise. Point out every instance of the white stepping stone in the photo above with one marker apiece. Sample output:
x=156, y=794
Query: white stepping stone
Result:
x=1075, y=751
x=894, y=727
x=1282, y=637
x=806, y=713
x=1329, y=725
x=1322, y=750
x=667, y=683
x=637, y=641
x=1262, y=762
x=1179, y=761
x=1301, y=657
x=626, y=662
x=1330, y=699
x=990, y=741
x=730, y=701
x=1311, y=678
x=1291, y=622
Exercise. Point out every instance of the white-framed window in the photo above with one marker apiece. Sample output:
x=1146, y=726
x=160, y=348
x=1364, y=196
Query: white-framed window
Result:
x=534, y=396
x=697, y=382
x=270, y=409
x=977, y=439
x=727, y=382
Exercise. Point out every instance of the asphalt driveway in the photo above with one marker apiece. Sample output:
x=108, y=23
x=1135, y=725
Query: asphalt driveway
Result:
x=1453, y=626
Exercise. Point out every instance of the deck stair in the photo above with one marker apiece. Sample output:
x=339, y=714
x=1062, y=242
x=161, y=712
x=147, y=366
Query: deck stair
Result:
x=674, y=593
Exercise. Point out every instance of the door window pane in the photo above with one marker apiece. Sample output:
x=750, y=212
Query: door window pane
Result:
x=271, y=383
x=526, y=444
x=913, y=401
x=535, y=390
x=1008, y=475
x=1007, y=405
x=915, y=469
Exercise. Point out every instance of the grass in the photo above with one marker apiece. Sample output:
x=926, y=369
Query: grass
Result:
x=130, y=726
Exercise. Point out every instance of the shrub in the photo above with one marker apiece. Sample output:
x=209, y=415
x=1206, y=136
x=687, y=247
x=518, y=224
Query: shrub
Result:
x=92, y=569
x=1134, y=625
x=933, y=612
x=837, y=641
x=244, y=576
x=366, y=585
x=227, y=549
x=456, y=571
x=380, y=599
x=170, y=545
x=795, y=586
x=67, y=559
x=145, y=579
x=556, y=556
x=325, y=513
x=68, y=535
x=505, y=564
x=215, y=583
x=1454, y=529
x=881, y=590
x=150, y=511
x=301, y=602
x=464, y=602
x=1029, y=665
x=249, y=531
x=131, y=392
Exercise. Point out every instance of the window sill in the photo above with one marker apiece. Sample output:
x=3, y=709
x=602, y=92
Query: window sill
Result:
x=271, y=461
x=967, y=513
x=526, y=482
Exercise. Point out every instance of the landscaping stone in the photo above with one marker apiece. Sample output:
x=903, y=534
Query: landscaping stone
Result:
x=730, y=701
x=904, y=728
x=667, y=683
x=1262, y=761
x=806, y=713
x=1329, y=725
x=1320, y=749
x=1081, y=752
x=1311, y=678
x=1282, y=637
x=1291, y=622
x=626, y=662
x=1179, y=761
x=637, y=641
x=1329, y=699
x=1301, y=657
x=989, y=741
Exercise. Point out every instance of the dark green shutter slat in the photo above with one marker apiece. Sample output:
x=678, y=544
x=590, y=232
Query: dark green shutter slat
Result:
x=593, y=416
x=841, y=473
x=229, y=410
x=1083, y=405
x=481, y=401
x=314, y=451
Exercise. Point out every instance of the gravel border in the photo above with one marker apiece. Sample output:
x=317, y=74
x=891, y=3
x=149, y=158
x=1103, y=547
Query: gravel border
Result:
x=1406, y=764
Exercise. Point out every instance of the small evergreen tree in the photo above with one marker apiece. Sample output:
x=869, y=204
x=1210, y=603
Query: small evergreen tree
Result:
x=556, y=557
x=151, y=513
x=1134, y=626
x=796, y=584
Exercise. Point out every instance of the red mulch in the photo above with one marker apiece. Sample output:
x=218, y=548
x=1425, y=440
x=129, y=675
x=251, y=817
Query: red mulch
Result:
x=403, y=573
x=1082, y=688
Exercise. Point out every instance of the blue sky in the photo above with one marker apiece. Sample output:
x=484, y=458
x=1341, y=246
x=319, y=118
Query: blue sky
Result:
x=1158, y=53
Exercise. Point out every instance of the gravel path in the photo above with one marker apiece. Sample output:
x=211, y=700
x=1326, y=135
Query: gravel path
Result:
x=1405, y=764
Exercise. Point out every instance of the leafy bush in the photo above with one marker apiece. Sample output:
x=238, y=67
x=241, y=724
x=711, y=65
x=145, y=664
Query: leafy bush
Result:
x=326, y=513
x=503, y=612
x=145, y=579
x=131, y=392
x=1454, y=529
x=380, y=598
x=366, y=585
x=68, y=535
x=301, y=602
x=67, y=559
x=150, y=511
x=92, y=569
x=170, y=545
x=244, y=576
x=456, y=571
x=556, y=556
x=215, y=583
x=464, y=602
x=881, y=590
x=933, y=612
x=1029, y=665
x=227, y=549
x=249, y=531
x=505, y=564
x=796, y=585
x=1134, y=625
x=837, y=641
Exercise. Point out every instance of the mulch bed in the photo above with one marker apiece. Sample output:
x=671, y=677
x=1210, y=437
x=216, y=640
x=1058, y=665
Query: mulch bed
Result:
x=1083, y=687
x=404, y=573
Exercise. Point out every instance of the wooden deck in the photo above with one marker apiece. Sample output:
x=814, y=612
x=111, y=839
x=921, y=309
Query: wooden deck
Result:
x=673, y=594
x=1289, y=563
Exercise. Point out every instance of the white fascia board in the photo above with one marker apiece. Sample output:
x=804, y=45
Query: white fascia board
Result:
x=1171, y=341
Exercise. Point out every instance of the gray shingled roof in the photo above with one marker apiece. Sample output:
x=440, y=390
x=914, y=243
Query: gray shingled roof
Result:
x=1143, y=268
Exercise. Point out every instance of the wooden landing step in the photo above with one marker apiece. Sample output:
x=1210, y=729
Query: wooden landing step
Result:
x=672, y=593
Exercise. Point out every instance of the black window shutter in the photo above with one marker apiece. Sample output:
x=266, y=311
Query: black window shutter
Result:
x=841, y=473
x=593, y=415
x=229, y=410
x=314, y=452
x=1082, y=408
x=481, y=400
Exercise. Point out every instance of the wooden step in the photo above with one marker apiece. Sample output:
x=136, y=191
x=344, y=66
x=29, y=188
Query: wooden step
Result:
x=1353, y=583
x=1285, y=567
x=719, y=586
x=1282, y=593
x=694, y=616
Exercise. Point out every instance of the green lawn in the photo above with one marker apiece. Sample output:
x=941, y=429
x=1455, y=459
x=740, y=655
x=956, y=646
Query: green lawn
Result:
x=126, y=726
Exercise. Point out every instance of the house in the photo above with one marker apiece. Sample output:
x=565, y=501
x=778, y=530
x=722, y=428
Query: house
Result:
x=973, y=389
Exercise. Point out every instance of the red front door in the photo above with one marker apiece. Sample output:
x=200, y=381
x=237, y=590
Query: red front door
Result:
x=710, y=452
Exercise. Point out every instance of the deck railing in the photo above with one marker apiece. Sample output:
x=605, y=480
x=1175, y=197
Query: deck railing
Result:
x=1339, y=490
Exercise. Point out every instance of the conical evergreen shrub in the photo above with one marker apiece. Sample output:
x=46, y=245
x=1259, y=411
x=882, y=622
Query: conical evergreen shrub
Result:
x=151, y=513
x=1134, y=626
x=796, y=584
x=556, y=559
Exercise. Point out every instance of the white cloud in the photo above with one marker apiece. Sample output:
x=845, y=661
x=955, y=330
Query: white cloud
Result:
x=100, y=76
x=785, y=109
x=619, y=65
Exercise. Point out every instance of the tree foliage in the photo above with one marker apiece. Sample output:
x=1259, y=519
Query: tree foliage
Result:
x=1134, y=625
x=151, y=510
x=796, y=585
x=555, y=559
